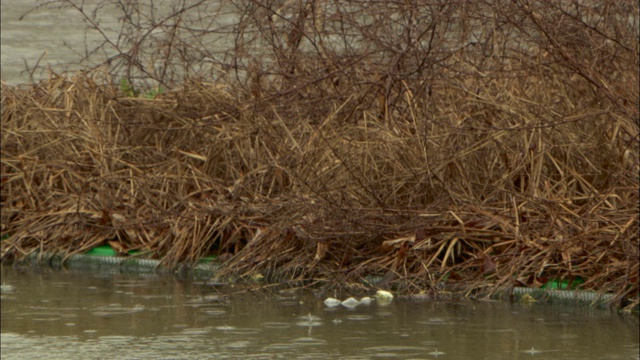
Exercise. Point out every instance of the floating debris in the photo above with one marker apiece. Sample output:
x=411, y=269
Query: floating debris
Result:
x=350, y=303
x=332, y=302
x=366, y=300
x=384, y=297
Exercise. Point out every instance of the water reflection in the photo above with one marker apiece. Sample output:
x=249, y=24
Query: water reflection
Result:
x=77, y=315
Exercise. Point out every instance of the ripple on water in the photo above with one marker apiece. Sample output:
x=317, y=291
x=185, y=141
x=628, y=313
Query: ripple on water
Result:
x=246, y=331
x=394, y=349
x=116, y=340
x=633, y=350
x=196, y=331
x=213, y=297
x=288, y=303
x=278, y=347
x=6, y=288
x=151, y=297
x=385, y=356
x=8, y=336
x=309, y=320
x=436, y=321
x=214, y=311
x=237, y=344
x=130, y=283
x=393, y=352
x=309, y=323
x=436, y=353
x=309, y=317
x=308, y=341
x=116, y=309
x=534, y=351
x=225, y=328
x=46, y=319
x=276, y=325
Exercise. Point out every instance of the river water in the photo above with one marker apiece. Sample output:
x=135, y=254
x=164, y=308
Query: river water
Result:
x=70, y=314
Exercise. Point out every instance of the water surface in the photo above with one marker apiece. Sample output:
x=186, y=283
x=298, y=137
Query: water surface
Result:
x=73, y=315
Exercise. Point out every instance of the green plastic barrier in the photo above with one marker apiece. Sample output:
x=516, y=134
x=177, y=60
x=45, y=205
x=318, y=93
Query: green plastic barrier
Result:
x=104, y=257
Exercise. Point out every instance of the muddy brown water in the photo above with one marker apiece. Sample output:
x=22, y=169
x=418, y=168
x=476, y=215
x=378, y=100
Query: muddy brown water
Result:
x=73, y=314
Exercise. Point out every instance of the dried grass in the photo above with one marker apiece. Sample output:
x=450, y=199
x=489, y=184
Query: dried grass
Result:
x=486, y=172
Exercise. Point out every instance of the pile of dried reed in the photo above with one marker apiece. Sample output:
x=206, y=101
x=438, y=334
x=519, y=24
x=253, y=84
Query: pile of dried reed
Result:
x=487, y=165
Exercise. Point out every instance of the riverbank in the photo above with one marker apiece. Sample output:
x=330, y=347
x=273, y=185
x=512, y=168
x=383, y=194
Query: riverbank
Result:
x=481, y=172
x=328, y=202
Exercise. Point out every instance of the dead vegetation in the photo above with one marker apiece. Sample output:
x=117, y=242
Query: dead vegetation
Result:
x=485, y=145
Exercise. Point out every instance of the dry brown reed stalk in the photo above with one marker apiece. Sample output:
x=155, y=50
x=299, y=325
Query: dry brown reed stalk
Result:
x=485, y=145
